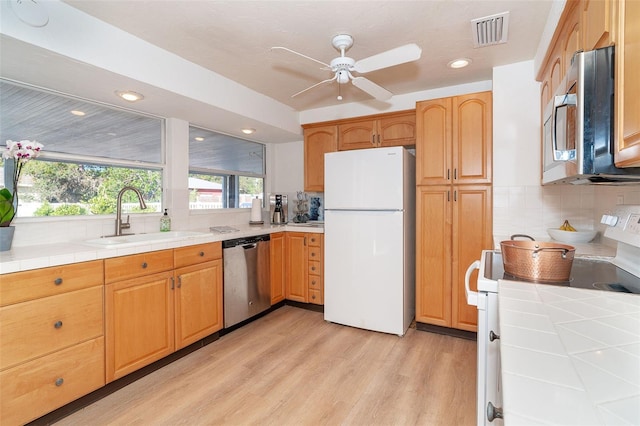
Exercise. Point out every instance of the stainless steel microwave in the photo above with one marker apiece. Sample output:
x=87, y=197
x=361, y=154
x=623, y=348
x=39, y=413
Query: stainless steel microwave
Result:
x=578, y=133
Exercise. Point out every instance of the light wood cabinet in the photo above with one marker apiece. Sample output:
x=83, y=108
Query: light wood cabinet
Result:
x=394, y=129
x=627, y=95
x=52, y=349
x=318, y=140
x=296, y=265
x=152, y=315
x=455, y=226
x=597, y=23
x=304, y=265
x=316, y=268
x=454, y=140
x=139, y=322
x=453, y=204
x=198, y=298
x=277, y=267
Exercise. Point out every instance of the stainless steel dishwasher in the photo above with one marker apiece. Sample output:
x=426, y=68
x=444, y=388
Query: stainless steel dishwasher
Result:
x=247, y=284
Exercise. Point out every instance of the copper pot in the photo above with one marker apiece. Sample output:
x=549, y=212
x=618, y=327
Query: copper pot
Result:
x=537, y=260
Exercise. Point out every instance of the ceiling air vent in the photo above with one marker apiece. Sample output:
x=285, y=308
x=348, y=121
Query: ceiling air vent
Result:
x=490, y=30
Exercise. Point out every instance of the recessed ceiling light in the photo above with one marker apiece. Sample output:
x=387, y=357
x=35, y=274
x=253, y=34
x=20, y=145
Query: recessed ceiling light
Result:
x=130, y=96
x=199, y=138
x=459, y=63
x=248, y=131
x=78, y=113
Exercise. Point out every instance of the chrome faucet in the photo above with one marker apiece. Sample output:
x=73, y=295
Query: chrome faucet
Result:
x=126, y=225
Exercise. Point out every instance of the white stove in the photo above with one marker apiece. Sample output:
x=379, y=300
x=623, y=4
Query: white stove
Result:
x=620, y=273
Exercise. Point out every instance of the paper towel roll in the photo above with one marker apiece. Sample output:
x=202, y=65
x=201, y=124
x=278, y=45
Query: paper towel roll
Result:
x=256, y=210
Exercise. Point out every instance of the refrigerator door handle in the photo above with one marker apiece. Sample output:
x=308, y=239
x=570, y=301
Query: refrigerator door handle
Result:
x=472, y=296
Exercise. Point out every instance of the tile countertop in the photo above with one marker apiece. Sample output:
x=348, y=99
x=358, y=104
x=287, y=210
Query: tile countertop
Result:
x=45, y=255
x=569, y=356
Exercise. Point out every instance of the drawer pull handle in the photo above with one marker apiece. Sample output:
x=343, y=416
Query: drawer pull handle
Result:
x=58, y=324
x=201, y=254
x=59, y=381
x=57, y=281
x=144, y=265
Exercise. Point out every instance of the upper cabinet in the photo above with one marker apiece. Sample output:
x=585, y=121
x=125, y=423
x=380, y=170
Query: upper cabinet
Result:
x=317, y=142
x=373, y=131
x=597, y=23
x=395, y=129
x=627, y=131
x=456, y=138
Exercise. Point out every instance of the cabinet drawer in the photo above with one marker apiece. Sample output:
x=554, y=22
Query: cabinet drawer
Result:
x=316, y=282
x=315, y=267
x=315, y=240
x=315, y=253
x=315, y=297
x=137, y=265
x=191, y=255
x=35, y=388
x=28, y=285
x=39, y=327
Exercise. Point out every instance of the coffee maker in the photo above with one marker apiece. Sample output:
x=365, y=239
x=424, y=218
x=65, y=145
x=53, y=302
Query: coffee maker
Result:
x=278, y=209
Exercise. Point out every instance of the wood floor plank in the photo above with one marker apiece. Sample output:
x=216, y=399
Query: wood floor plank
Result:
x=293, y=368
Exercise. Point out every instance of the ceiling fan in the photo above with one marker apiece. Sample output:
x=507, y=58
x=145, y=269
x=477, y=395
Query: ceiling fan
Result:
x=343, y=66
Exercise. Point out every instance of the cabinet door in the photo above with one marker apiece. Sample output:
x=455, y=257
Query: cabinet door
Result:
x=433, y=141
x=139, y=322
x=397, y=130
x=296, y=284
x=472, y=138
x=433, y=255
x=472, y=233
x=357, y=135
x=198, y=302
x=277, y=259
x=596, y=20
x=628, y=85
x=317, y=142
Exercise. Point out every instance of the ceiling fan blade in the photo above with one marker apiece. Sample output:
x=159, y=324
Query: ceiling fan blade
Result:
x=378, y=92
x=300, y=54
x=399, y=55
x=315, y=85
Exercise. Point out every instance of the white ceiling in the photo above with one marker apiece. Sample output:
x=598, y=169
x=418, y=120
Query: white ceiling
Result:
x=233, y=39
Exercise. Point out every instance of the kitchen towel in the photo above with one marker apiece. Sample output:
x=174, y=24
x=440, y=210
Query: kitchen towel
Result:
x=256, y=210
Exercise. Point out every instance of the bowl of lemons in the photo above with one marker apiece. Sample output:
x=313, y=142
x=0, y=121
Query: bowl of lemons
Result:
x=570, y=235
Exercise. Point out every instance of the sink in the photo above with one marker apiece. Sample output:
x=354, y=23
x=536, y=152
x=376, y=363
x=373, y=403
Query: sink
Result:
x=134, y=239
x=306, y=224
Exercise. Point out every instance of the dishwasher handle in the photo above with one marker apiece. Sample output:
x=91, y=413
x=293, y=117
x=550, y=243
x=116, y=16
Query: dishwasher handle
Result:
x=249, y=246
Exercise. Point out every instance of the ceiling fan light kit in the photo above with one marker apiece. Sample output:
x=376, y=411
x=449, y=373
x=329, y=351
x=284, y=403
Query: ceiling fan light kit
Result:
x=343, y=66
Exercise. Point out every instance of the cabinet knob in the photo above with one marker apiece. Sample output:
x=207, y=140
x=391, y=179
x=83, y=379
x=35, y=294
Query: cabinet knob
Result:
x=493, y=336
x=201, y=254
x=313, y=282
x=313, y=268
x=313, y=254
x=144, y=265
x=57, y=281
x=57, y=324
x=493, y=412
x=59, y=381
x=313, y=296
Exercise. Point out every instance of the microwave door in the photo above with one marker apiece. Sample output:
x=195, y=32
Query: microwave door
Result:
x=564, y=128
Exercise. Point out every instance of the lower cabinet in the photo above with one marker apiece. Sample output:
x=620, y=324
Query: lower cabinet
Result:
x=454, y=226
x=150, y=316
x=276, y=267
x=52, y=339
x=304, y=264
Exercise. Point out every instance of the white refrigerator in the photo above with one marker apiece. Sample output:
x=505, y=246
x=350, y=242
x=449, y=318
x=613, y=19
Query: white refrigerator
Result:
x=369, y=231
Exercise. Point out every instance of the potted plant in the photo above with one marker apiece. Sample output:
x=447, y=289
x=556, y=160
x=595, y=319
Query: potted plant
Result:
x=20, y=152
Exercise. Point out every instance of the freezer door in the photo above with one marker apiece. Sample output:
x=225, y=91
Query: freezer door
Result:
x=365, y=277
x=366, y=179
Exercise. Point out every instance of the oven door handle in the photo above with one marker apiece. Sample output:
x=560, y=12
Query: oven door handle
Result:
x=472, y=296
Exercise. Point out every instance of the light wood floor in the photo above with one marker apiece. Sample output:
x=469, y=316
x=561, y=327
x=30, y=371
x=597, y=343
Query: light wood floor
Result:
x=293, y=368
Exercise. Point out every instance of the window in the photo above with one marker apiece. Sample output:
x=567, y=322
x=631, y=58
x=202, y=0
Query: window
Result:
x=90, y=152
x=224, y=171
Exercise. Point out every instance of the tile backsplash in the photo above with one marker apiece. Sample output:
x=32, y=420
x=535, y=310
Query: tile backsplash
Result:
x=532, y=209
